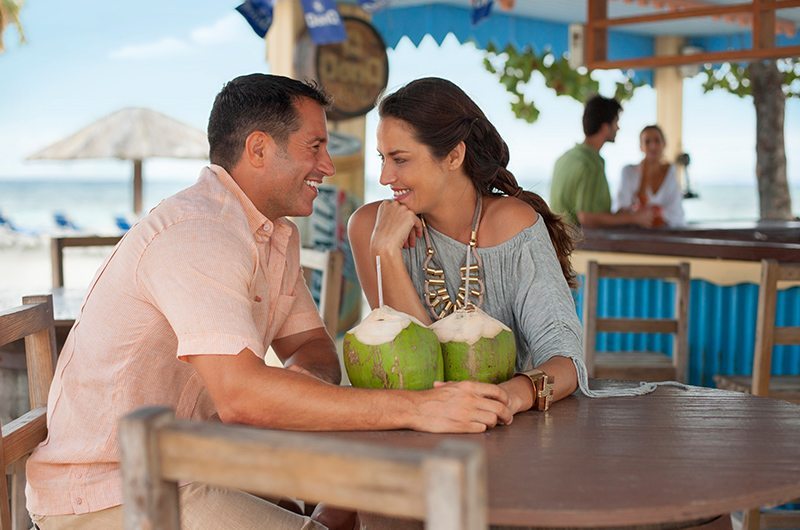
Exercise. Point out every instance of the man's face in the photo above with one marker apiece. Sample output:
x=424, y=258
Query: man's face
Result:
x=611, y=131
x=298, y=166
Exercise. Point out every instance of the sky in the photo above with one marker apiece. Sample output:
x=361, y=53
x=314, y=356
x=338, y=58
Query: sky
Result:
x=87, y=58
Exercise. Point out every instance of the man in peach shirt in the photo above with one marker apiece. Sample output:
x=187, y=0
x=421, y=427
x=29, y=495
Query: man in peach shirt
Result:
x=183, y=311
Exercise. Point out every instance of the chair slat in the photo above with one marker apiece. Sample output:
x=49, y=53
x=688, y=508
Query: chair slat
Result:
x=787, y=335
x=22, y=435
x=446, y=486
x=18, y=322
x=637, y=325
x=639, y=271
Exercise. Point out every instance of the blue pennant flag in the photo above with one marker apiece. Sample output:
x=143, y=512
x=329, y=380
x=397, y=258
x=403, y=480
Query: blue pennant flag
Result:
x=370, y=6
x=323, y=21
x=257, y=13
x=480, y=10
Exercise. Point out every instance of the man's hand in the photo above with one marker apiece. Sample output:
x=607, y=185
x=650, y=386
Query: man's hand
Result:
x=464, y=406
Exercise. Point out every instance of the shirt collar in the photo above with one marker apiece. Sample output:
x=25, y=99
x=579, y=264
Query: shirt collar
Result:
x=256, y=220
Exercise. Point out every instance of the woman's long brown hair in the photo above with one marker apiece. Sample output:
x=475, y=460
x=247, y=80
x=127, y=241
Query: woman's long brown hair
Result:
x=442, y=115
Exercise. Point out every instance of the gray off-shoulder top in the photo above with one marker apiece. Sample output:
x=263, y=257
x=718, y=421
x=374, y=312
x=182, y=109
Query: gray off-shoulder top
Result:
x=525, y=289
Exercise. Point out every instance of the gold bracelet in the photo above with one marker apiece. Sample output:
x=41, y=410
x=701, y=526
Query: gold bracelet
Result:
x=542, y=388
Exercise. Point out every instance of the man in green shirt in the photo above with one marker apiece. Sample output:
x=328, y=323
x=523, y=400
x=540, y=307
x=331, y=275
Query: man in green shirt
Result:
x=579, y=189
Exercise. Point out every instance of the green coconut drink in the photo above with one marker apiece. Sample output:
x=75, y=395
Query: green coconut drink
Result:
x=476, y=347
x=390, y=349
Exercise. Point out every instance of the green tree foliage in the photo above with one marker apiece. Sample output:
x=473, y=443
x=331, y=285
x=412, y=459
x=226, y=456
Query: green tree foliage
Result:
x=9, y=15
x=735, y=78
x=514, y=70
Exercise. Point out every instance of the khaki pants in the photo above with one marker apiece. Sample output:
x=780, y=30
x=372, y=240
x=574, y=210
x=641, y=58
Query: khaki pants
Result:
x=202, y=507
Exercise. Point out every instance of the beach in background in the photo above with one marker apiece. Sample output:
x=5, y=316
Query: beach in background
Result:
x=92, y=205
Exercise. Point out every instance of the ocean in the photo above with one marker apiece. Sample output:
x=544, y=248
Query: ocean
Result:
x=31, y=205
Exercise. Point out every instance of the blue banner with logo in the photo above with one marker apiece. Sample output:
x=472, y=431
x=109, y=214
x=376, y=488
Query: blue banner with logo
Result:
x=480, y=10
x=257, y=13
x=323, y=21
x=370, y=6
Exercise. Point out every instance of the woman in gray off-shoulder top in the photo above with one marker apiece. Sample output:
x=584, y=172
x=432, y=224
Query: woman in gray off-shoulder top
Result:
x=446, y=165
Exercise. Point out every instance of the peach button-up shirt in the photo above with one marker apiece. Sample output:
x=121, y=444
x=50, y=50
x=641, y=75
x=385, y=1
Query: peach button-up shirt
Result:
x=204, y=273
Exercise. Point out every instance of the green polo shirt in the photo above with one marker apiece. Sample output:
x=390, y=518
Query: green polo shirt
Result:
x=579, y=184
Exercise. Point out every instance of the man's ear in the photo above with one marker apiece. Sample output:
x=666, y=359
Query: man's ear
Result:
x=258, y=146
x=456, y=157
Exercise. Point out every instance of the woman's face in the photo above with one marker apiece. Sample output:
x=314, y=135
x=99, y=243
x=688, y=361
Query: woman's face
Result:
x=417, y=179
x=652, y=144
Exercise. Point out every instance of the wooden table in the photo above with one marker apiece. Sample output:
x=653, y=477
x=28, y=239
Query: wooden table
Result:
x=670, y=456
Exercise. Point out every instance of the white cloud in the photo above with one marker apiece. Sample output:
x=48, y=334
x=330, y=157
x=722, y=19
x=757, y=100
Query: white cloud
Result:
x=166, y=47
x=227, y=29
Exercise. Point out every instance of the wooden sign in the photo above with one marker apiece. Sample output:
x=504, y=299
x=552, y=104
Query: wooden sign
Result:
x=354, y=72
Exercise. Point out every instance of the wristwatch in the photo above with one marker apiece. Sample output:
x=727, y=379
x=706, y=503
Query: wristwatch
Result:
x=542, y=388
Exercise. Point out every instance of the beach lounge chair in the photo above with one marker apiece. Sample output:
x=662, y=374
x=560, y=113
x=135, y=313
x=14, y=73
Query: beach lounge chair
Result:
x=446, y=485
x=64, y=222
x=6, y=224
x=122, y=223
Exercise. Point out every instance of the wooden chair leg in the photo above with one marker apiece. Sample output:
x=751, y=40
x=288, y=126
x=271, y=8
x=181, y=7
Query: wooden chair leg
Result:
x=20, y=520
x=752, y=520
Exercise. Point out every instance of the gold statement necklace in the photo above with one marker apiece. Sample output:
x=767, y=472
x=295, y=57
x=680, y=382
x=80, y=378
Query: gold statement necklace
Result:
x=436, y=296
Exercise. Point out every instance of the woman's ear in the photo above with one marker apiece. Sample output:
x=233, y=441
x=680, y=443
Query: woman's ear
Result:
x=455, y=158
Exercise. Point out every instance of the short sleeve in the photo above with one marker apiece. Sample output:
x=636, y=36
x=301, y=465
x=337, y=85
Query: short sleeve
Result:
x=628, y=186
x=543, y=306
x=198, y=274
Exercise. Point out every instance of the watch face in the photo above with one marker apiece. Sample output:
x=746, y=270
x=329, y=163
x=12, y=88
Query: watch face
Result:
x=355, y=72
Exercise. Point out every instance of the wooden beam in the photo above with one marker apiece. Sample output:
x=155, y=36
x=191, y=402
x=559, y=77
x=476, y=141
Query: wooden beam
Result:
x=710, y=11
x=697, y=58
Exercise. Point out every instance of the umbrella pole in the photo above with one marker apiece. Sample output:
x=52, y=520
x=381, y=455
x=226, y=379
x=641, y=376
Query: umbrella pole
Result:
x=137, y=187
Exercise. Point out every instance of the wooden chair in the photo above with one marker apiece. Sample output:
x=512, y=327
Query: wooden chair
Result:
x=642, y=366
x=446, y=486
x=330, y=264
x=34, y=322
x=762, y=383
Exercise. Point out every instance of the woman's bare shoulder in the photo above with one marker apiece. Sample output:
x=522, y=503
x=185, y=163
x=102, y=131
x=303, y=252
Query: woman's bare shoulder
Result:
x=364, y=217
x=504, y=218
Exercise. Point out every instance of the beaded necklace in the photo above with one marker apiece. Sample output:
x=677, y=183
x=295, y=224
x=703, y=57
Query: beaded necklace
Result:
x=437, y=299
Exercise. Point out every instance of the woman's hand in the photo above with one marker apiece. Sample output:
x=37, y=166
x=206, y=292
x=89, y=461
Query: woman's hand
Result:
x=396, y=227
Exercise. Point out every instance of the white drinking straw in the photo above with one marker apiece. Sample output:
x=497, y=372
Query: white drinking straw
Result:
x=380, y=282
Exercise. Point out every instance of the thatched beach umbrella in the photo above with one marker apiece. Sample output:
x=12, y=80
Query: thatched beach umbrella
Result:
x=130, y=134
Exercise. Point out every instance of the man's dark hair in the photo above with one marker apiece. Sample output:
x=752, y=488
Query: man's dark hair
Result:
x=255, y=102
x=599, y=110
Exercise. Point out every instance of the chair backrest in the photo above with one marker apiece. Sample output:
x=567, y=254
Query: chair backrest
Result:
x=330, y=264
x=678, y=326
x=445, y=486
x=34, y=322
x=767, y=334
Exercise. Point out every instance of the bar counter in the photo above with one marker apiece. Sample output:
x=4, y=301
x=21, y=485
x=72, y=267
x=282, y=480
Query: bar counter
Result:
x=779, y=240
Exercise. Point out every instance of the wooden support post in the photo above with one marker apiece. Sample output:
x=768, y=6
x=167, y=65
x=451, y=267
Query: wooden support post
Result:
x=596, y=32
x=669, y=97
x=137, y=187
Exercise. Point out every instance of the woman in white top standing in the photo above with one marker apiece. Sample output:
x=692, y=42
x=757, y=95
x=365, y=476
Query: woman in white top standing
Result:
x=652, y=182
